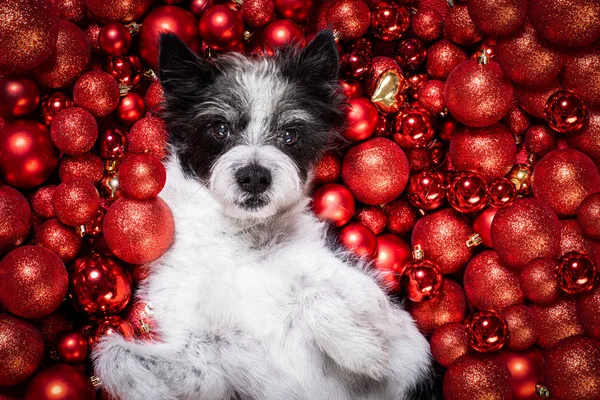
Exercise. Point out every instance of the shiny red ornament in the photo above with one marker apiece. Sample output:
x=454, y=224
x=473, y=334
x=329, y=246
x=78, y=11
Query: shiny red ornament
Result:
x=376, y=157
x=41, y=201
x=525, y=372
x=61, y=239
x=19, y=96
x=477, y=376
x=21, y=349
x=131, y=108
x=497, y=17
x=427, y=25
x=296, y=10
x=556, y=321
x=448, y=343
x=74, y=130
x=351, y=88
x=421, y=280
x=221, y=27
x=28, y=29
x=197, y=7
x=15, y=219
x=487, y=331
x=401, y=217
x=112, y=325
x=355, y=64
x=361, y=117
x=540, y=140
x=468, y=192
x=258, y=13
x=117, y=10
x=431, y=96
x=97, y=92
x=588, y=312
x=127, y=71
x=478, y=95
x=328, y=169
x=373, y=217
x=166, y=19
x=442, y=57
x=28, y=156
x=87, y=166
x=60, y=382
x=33, y=282
x=358, y=239
x=565, y=111
x=333, y=202
x=501, y=193
x=52, y=104
x=281, y=33
x=113, y=144
x=577, y=272
x=482, y=225
x=75, y=202
x=72, y=347
x=71, y=10
x=148, y=135
x=142, y=176
x=139, y=231
x=521, y=328
x=350, y=18
x=389, y=20
x=414, y=127
x=447, y=128
x=393, y=254
x=588, y=216
x=460, y=28
x=114, y=39
x=539, y=281
x=427, y=190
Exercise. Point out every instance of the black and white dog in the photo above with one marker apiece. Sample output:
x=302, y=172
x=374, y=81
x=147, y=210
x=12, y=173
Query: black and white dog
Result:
x=251, y=301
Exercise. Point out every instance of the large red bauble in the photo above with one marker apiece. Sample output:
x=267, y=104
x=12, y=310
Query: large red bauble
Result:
x=484, y=82
x=524, y=231
x=118, y=10
x=334, y=203
x=362, y=117
x=389, y=20
x=72, y=347
x=571, y=369
x=427, y=189
x=449, y=306
x=281, y=33
x=296, y=10
x=489, y=284
x=588, y=312
x=443, y=235
x=28, y=156
x=142, y=176
x=460, y=28
x=71, y=58
x=566, y=22
x=99, y=285
x=221, y=27
x=497, y=17
x=60, y=382
x=468, y=192
x=414, y=127
x=521, y=328
x=21, y=350
x=556, y=321
x=15, y=219
x=539, y=282
x=131, y=108
x=540, y=140
x=588, y=216
x=41, y=201
x=33, y=282
x=28, y=32
x=393, y=254
x=63, y=240
x=359, y=239
x=166, y=19
x=148, y=135
x=97, y=92
x=576, y=272
x=376, y=157
x=525, y=372
x=449, y=342
x=52, y=104
x=74, y=130
x=139, y=231
x=19, y=96
x=563, y=179
x=482, y=225
x=421, y=280
x=351, y=18
x=87, y=166
x=75, y=202
x=477, y=377
x=442, y=57
x=114, y=39
x=373, y=217
x=487, y=331
x=581, y=73
x=401, y=217
x=258, y=13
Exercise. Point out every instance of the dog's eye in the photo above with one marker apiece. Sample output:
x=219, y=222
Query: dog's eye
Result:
x=289, y=137
x=220, y=131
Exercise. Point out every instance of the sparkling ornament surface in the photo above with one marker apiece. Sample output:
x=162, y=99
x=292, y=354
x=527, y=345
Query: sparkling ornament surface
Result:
x=19, y=96
x=577, y=272
x=468, y=192
x=497, y=17
x=588, y=312
x=71, y=10
x=502, y=193
x=75, y=202
x=257, y=13
x=581, y=73
x=516, y=120
x=74, y=130
x=522, y=332
x=359, y=239
x=588, y=216
x=533, y=99
x=448, y=343
x=15, y=219
x=60, y=382
x=414, y=127
x=334, y=203
x=328, y=169
x=565, y=111
x=155, y=97
x=389, y=20
x=427, y=190
x=476, y=377
x=421, y=280
x=88, y=167
x=442, y=57
x=401, y=217
x=117, y=10
x=487, y=331
x=97, y=92
x=52, y=104
x=556, y=321
x=373, y=217
x=539, y=281
x=350, y=18
x=149, y=134
x=21, y=349
x=459, y=26
x=587, y=140
x=573, y=239
x=431, y=96
x=61, y=239
x=393, y=253
x=72, y=347
x=41, y=202
x=427, y=25
x=142, y=176
x=140, y=317
x=540, y=140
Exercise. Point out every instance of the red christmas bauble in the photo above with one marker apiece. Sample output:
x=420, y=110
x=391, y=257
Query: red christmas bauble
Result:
x=497, y=17
x=166, y=19
x=28, y=29
x=75, y=202
x=125, y=70
x=427, y=189
x=376, y=157
x=328, y=169
x=427, y=25
x=539, y=281
x=148, y=135
x=414, y=127
x=333, y=202
x=484, y=82
x=401, y=217
x=92, y=32
x=72, y=347
x=155, y=97
x=74, y=130
x=588, y=216
x=468, y=192
x=448, y=343
x=359, y=239
x=355, y=64
x=442, y=57
x=197, y=7
x=69, y=60
x=33, y=282
x=577, y=272
x=475, y=377
x=431, y=96
x=281, y=33
x=516, y=120
x=71, y=10
x=41, y=201
x=114, y=39
x=139, y=231
x=384, y=69
x=60, y=382
x=112, y=325
x=581, y=73
x=88, y=167
x=587, y=140
x=525, y=372
x=131, y=108
x=117, y=10
x=556, y=321
x=142, y=176
x=61, y=239
x=393, y=254
x=351, y=88
x=373, y=217
x=421, y=280
x=52, y=104
x=588, y=312
x=139, y=316
x=522, y=331
x=19, y=96
x=21, y=349
x=28, y=156
x=524, y=231
x=389, y=20
x=361, y=117
x=573, y=239
x=16, y=218
x=565, y=111
x=351, y=18
x=296, y=10
x=533, y=99
x=487, y=331
x=221, y=27
x=460, y=28
x=540, y=140
x=482, y=225
x=502, y=193
x=97, y=92
x=258, y=13
x=411, y=53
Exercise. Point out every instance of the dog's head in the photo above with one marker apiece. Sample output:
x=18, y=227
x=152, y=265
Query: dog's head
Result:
x=251, y=129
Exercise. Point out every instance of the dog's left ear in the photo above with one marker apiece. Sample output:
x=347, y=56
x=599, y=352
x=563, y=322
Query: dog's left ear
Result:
x=317, y=62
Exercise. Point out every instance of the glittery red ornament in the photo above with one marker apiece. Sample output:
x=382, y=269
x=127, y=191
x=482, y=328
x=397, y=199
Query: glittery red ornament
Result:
x=521, y=328
x=576, y=272
x=92, y=31
x=389, y=20
x=376, y=157
x=497, y=17
x=197, y=7
x=427, y=189
x=427, y=25
x=571, y=369
x=33, y=282
x=258, y=13
x=71, y=10
x=97, y=92
x=516, y=120
x=373, y=217
x=41, y=201
x=581, y=73
x=482, y=225
x=221, y=27
x=588, y=216
x=155, y=97
x=162, y=19
x=362, y=117
x=72, y=347
x=21, y=349
x=149, y=135
x=487, y=331
x=117, y=10
x=431, y=96
x=60, y=382
x=414, y=126
x=539, y=281
x=556, y=321
x=139, y=231
x=421, y=280
x=459, y=27
x=540, y=140
x=139, y=316
x=587, y=140
x=524, y=231
x=75, y=202
x=478, y=95
x=69, y=60
x=114, y=39
x=355, y=64
x=28, y=155
x=443, y=237
x=74, y=130
x=15, y=219
x=442, y=57
x=401, y=217
x=127, y=70
x=588, y=312
x=502, y=193
x=525, y=372
x=334, y=203
x=52, y=104
x=565, y=111
x=112, y=325
x=87, y=166
x=564, y=178
x=19, y=96
x=449, y=342
x=142, y=176
x=573, y=239
x=533, y=99
x=359, y=239
x=328, y=169
x=393, y=254
x=61, y=239
x=296, y=10
x=281, y=33
x=467, y=192
x=475, y=377
x=350, y=18
x=28, y=32
x=131, y=108
x=113, y=144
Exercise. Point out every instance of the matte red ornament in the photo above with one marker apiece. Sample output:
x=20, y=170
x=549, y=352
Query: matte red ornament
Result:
x=376, y=157
x=21, y=349
x=113, y=144
x=478, y=95
x=355, y=64
x=482, y=225
x=142, y=176
x=296, y=10
x=577, y=272
x=581, y=73
x=540, y=140
x=221, y=27
x=389, y=20
x=442, y=57
x=328, y=169
x=131, y=108
x=588, y=216
x=502, y=193
x=588, y=312
x=497, y=17
x=60, y=382
x=427, y=25
x=401, y=217
x=281, y=33
x=197, y=7
x=61, y=239
x=333, y=202
x=33, y=282
x=414, y=126
x=373, y=217
x=524, y=231
x=427, y=189
x=114, y=39
x=361, y=117
x=525, y=372
x=448, y=343
x=459, y=26
x=41, y=202
x=521, y=328
x=75, y=202
x=52, y=104
x=477, y=376
x=117, y=10
x=431, y=96
x=556, y=321
x=15, y=219
x=350, y=18
x=139, y=231
x=19, y=96
x=539, y=281
x=468, y=192
x=72, y=347
x=112, y=325
x=421, y=280
x=97, y=92
x=565, y=111
x=258, y=13
x=28, y=155
x=393, y=254
x=74, y=130
x=487, y=331
x=87, y=166
x=359, y=239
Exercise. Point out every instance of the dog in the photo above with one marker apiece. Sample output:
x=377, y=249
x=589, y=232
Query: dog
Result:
x=253, y=301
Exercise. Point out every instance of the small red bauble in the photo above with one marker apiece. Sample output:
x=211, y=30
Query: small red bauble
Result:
x=427, y=25
x=427, y=190
x=431, y=96
x=421, y=280
x=392, y=255
x=497, y=17
x=525, y=372
x=350, y=18
x=516, y=120
x=197, y=7
x=19, y=96
x=359, y=239
x=258, y=13
x=131, y=108
x=281, y=33
x=113, y=144
x=468, y=192
x=540, y=140
x=61, y=239
x=442, y=57
x=150, y=135
x=114, y=39
x=414, y=126
x=126, y=70
x=487, y=331
x=221, y=27
x=459, y=26
x=482, y=225
x=475, y=377
x=97, y=92
x=75, y=202
x=362, y=117
x=521, y=328
x=21, y=349
x=588, y=312
x=72, y=347
x=139, y=231
x=556, y=321
x=373, y=217
x=16, y=218
x=41, y=201
x=576, y=272
x=539, y=281
x=334, y=203
x=74, y=130
x=351, y=88
x=384, y=69
x=155, y=97
x=142, y=176
x=52, y=104
x=588, y=216
x=33, y=282
x=87, y=166
x=112, y=325
x=401, y=216
x=502, y=193
x=139, y=316
x=355, y=64
x=448, y=343
x=328, y=169
x=389, y=20
x=565, y=111
x=60, y=382
x=296, y=10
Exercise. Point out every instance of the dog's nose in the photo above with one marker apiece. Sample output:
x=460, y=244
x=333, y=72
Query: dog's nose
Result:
x=253, y=178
